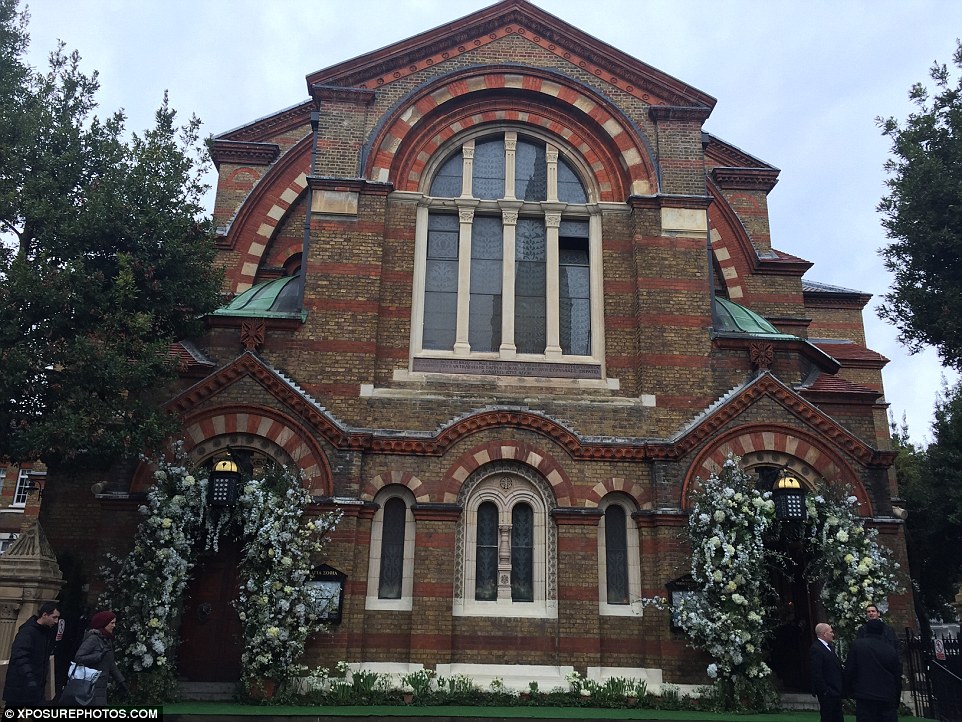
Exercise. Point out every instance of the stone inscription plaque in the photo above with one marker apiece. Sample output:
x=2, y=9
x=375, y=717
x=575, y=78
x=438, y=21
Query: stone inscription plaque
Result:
x=507, y=368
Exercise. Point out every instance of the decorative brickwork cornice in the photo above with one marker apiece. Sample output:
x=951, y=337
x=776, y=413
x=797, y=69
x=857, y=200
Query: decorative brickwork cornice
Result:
x=339, y=94
x=576, y=516
x=273, y=125
x=664, y=200
x=779, y=345
x=353, y=185
x=436, y=512
x=243, y=152
x=686, y=114
x=725, y=155
x=746, y=179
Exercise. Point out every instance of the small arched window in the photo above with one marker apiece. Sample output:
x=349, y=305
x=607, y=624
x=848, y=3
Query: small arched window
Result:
x=619, y=556
x=390, y=580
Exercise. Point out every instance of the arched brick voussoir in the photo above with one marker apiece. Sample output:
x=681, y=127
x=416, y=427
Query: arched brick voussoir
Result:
x=262, y=212
x=370, y=489
x=526, y=96
x=800, y=449
x=617, y=484
x=280, y=431
x=478, y=456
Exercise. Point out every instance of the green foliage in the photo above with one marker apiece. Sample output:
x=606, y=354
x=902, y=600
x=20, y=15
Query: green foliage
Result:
x=928, y=482
x=922, y=215
x=105, y=262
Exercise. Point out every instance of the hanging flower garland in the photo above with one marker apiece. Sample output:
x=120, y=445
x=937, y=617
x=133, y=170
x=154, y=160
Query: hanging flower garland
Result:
x=852, y=567
x=276, y=606
x=727, y=614
x=146, y=587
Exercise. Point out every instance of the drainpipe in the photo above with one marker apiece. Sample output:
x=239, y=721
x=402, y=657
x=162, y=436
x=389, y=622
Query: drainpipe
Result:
x=305, y=250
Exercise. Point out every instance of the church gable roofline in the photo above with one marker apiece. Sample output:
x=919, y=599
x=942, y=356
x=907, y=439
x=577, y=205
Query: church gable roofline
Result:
x=511, y=17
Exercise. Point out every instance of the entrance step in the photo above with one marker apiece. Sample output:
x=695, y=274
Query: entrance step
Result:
x=799, y=701
x=207, y=691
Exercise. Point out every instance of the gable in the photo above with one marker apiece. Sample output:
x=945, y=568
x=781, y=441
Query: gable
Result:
x=531, y=24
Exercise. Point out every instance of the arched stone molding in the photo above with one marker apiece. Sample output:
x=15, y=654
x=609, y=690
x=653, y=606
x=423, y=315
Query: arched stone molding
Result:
x=263, y=211
x=615, y=150
x=773, y=444
x=615, y=484
x=546, y=492
x=524, y=455
x=406, y=479
x=730, y=244
x=267, y=430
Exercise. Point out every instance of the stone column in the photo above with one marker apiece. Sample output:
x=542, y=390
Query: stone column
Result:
x=29, y=576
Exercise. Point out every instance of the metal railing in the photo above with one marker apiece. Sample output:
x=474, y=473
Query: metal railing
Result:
x=934, y=666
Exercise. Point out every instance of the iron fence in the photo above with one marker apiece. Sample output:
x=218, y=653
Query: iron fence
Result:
x=934, y=666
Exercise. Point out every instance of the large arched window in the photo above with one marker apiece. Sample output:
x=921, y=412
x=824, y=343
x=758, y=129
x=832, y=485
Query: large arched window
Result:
x=508, y=255
x=619, y=558
x=506, y=543
x=390, y=581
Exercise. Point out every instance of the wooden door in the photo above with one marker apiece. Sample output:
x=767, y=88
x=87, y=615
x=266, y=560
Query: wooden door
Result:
x=210, y=630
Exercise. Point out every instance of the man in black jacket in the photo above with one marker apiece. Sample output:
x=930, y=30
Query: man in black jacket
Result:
x=826, y=674
x=873, y=673
x=888, y=634
x=29, y=655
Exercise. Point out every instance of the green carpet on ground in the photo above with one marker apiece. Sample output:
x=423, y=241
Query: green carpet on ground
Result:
x=227, y=709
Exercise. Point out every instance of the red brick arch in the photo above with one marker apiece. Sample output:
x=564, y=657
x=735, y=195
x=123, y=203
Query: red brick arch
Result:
x=276, y=432
x=263, y=211
x=370, y=489
x=804, y=453
x=636, y=491
x=614, y=149
x=528, y=454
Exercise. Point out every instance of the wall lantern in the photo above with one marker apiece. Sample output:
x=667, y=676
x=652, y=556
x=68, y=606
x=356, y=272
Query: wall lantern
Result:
x=789, y=497
x=222, y=489
x=327, y=588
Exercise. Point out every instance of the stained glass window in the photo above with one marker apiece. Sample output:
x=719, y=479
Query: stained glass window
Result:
x=392, y=549
x=486, y=568
x=522, y=553
x=616, y=554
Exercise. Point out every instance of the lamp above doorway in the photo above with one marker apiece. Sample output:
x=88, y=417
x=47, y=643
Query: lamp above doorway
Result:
x=789, y=497
x=222, y=490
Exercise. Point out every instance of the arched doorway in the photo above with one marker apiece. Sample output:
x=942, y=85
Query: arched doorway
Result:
x=796, y=598
x=210, y=630
x=211, y=633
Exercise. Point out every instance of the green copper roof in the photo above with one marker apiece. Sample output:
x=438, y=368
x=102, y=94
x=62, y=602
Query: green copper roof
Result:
x=279, y=298
x=733, y=318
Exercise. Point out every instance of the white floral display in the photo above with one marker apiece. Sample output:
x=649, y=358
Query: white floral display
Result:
x=276, y=607
x=727, y=614
x=853, y=568
x=145, y=589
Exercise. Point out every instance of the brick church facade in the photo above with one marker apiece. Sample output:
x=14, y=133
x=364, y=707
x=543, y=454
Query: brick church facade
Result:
x=501, y=298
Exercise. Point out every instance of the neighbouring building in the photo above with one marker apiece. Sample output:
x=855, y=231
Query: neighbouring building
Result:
x=502, y=297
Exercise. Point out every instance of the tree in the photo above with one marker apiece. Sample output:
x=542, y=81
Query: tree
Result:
x=107, y=261
x=922, y=215
x=928, y=482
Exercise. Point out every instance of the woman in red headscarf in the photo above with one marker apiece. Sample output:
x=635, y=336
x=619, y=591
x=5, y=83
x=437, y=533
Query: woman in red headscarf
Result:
x=97, y=651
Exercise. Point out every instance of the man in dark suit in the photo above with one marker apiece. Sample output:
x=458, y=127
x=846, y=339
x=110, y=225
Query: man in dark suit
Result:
x=873, y=673
x=826, y=674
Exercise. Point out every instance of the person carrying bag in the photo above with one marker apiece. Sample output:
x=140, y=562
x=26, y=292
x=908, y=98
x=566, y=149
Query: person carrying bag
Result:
x=96, y=654
x=81, y=686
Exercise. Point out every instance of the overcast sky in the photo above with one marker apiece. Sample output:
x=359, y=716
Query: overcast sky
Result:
x=799, y=85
